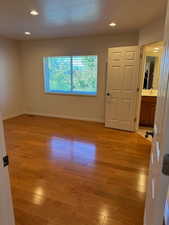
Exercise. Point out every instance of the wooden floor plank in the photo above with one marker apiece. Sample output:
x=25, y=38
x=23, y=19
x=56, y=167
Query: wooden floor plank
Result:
x=67, y=172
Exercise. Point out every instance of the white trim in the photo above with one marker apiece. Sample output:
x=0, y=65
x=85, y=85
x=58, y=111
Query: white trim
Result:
x=166, y=214
x=65, y=117
x=12, y=116
x=6, y=206
x=140, y=85
x=153, y=188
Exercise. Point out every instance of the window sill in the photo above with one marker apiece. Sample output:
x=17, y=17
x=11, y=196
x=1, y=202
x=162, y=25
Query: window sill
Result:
x=71, y=94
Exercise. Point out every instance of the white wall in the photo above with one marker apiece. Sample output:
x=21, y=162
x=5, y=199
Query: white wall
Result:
x=78, y=107
x=10, y=79
x=153, y=32
x=27, y=87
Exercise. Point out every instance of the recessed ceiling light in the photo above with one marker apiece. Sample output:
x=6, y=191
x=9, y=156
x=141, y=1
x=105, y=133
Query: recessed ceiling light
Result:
x=112, y=24
x=34, y=12
x=155, y=51
x=27, y=33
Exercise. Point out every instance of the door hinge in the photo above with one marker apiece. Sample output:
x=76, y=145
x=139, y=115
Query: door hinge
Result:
x=135, y=119
x=141, y=55
x=138, y=89
x=5, y=161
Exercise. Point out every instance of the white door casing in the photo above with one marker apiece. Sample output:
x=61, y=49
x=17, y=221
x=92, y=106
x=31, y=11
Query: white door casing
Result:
x=6, y=207
x=158, y=183
x=122, y=88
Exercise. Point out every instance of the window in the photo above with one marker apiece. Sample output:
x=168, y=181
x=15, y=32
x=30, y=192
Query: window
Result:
x=71, y=74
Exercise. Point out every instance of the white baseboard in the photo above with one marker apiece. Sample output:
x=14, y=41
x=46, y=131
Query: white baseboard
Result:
x=12, y=116
x=66, y=117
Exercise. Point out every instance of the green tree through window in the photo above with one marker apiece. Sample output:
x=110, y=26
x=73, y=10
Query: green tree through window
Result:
x=71, y=74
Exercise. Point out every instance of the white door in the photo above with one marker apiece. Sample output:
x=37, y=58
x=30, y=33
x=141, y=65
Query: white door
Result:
x=158, y=182
x=122, y=88
x=6, y=208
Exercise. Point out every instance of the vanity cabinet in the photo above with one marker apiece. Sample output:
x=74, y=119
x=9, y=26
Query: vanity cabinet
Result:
x=148, y=106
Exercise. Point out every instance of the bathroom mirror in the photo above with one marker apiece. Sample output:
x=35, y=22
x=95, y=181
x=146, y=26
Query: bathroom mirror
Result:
x=151, y=75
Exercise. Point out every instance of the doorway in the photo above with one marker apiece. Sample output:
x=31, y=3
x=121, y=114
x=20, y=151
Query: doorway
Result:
x=152, y=56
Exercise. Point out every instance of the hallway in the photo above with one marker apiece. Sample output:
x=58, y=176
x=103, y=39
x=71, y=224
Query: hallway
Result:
x=68, y=172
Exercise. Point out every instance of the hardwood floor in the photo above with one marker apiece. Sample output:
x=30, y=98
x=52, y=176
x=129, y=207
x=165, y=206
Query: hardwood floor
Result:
x=66, y=172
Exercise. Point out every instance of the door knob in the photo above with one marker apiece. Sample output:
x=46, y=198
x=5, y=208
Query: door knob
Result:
x=108, y=94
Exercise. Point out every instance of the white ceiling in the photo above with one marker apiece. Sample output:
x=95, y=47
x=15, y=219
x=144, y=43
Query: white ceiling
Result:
x=62, y=18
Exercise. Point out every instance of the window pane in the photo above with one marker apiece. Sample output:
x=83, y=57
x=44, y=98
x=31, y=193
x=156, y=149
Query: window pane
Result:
x=84, y=71
x=58, y=74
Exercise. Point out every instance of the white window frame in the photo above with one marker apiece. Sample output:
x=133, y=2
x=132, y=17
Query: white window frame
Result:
x=69, y=92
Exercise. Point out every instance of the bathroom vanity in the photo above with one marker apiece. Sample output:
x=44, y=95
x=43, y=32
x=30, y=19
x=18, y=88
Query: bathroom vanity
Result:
x=148, y=107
